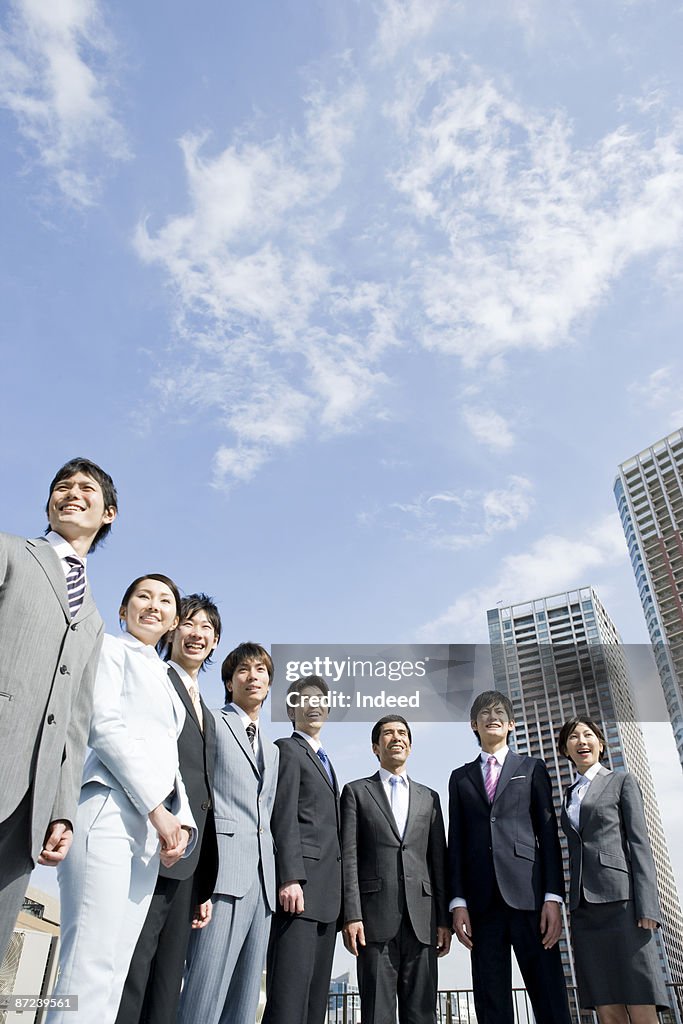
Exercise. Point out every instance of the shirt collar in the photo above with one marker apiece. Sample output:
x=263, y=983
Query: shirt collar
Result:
x=385, y=775
x=311, y=740
x=147, y=649
x=499, y=755
x=184, y=675
x=588, y=775
x=246, y=720
x=62, y=548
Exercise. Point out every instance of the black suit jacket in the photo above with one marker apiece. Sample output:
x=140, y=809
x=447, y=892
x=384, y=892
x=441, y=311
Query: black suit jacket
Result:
x=306, y=829
x=196, y=754
x=512, y=843
x=386, y=875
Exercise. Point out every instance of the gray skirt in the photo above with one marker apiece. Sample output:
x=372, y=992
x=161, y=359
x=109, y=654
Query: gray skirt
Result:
x=615, y=960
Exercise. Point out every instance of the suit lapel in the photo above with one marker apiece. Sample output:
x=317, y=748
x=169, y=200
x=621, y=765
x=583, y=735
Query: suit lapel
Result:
x=376, y=790
x=234, y=724
x=595, y=790
x=511, y=766
x=209, y=741
x=181, y=690
x=473, y=770
x=49, y=562
x=315, y=760
x=416, y=797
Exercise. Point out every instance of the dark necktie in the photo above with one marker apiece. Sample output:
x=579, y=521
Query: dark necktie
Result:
x=251, y=733
x=75, y=584
x=326, y=765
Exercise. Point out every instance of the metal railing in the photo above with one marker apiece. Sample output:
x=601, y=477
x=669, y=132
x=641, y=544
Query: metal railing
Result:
x=456, y=1006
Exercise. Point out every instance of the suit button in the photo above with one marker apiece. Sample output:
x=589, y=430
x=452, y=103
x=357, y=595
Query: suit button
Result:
x=206, y=804
x=261, y=831
x=492, y=820
x=63, y=670
x=51, y=719
x=338, y=859
x=74, y=626
x=404, y=847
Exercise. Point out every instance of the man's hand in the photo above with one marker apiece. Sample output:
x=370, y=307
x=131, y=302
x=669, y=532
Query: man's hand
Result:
x=172, y=835
x=292, y=898
x=647, y=922
x=443, y=941
x=551, y=923
x=58, y=839
x=353, y=934
x=462, y=926
x=202, y=914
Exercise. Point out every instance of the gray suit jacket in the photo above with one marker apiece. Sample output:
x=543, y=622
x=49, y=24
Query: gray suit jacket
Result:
x=47, y=672
x=386, y=875
x=243, y=802
x=610, y=857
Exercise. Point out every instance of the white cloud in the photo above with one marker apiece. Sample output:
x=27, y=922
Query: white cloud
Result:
x=661, y=390
x=524, y=232
x=53, y=78
x=552, y=565
x=401, y=22
x=469, y=519
x=489, y=428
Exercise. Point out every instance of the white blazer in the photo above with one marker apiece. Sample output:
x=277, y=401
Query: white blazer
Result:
x=137, y=718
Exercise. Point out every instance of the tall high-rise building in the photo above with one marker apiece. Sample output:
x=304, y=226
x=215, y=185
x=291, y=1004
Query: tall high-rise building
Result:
x=560, y=656
x=649, y=493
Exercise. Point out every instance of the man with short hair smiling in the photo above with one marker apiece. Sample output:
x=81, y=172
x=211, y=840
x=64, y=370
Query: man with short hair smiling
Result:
x=225, y=961
x=507, y=882
x=306, y=830
x=50, y=638
x=181, y=899
x=395, y=878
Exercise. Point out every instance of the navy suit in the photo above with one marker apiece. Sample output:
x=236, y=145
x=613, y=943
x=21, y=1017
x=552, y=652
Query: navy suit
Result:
x=306, y=830
x=504, y=857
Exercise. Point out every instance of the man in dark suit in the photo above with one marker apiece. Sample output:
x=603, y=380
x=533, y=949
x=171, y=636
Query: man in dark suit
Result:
x=395, y=883
x=50, y=639
x=306, y=831
x=506, y=879
x=181, y=899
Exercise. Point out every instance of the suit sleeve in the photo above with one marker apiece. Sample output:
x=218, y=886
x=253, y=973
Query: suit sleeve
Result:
x=545, y=827
x=71, y=769
x=438, y=858
x=349, y=827
x=285, y=818
x=455, y=837
x=146, y=782
x=642, y=863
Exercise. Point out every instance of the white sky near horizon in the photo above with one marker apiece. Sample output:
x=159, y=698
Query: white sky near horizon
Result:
x=361, y=304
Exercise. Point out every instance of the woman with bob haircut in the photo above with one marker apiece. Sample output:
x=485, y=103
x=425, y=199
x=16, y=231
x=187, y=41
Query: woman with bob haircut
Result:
x=133, y=809
x=613, y=885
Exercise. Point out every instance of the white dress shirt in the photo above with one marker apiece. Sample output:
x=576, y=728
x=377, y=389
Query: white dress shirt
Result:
x=398, y=795
x=579, y=790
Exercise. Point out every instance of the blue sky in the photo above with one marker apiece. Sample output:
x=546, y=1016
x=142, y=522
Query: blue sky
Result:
x=360, y=303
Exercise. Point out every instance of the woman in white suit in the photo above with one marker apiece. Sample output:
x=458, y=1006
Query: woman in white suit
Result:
x=133, y=810
x=613, y=885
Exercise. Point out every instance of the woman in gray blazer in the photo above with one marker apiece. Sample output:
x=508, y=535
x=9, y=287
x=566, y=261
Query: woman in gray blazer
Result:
x=133, y=810
x=613, y=884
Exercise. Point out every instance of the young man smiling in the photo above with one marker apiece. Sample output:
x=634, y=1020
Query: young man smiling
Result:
x=506, y=881
x=181, y=898
x=225, y=961
x=50, y=637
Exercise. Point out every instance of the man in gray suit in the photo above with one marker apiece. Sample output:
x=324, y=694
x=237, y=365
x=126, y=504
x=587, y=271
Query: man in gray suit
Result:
x=50, y=637
x=395, y=883
x=226, y=959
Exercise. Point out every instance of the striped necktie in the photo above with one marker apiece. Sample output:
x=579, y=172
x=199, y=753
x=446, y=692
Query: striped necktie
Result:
x=491, y=778
x=326, y=765
x=251, y=733
x=75, y=584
